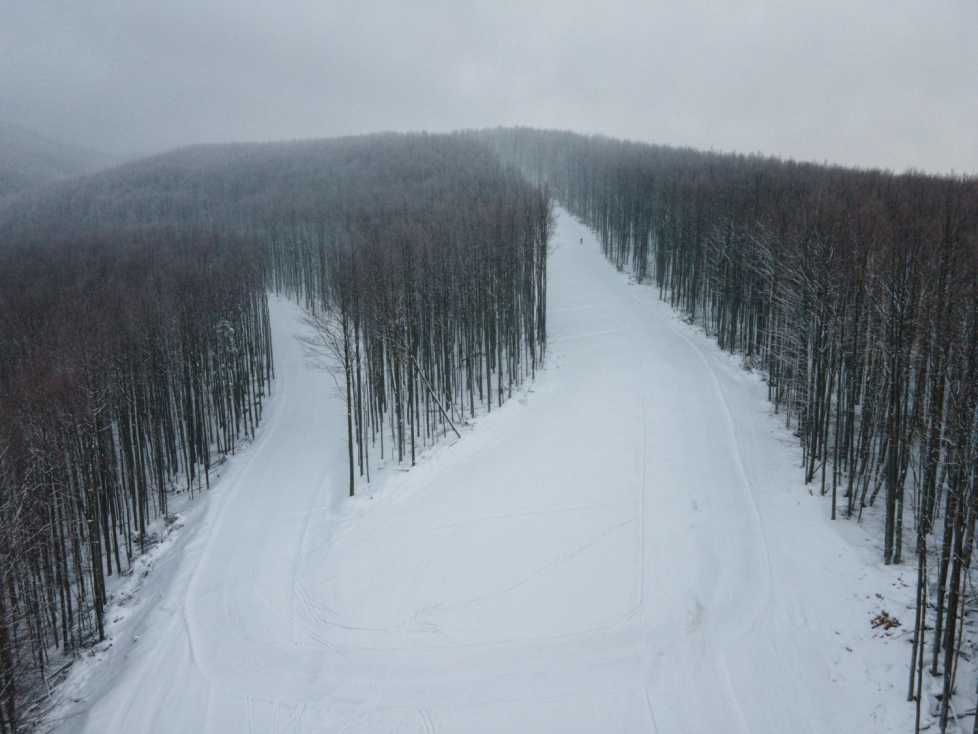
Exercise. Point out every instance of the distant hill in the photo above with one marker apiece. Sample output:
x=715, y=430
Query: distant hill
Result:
x=234, y=184
x=28, y=160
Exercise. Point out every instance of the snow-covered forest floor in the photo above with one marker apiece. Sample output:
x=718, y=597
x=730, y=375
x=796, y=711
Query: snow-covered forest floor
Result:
x=626, y=546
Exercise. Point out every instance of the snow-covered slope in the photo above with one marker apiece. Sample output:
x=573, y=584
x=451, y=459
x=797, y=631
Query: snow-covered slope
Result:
x=624, y=548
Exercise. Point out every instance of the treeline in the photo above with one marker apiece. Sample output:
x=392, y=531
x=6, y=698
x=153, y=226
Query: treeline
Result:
x=857, y=293
x=135, y=347
x=127, y=364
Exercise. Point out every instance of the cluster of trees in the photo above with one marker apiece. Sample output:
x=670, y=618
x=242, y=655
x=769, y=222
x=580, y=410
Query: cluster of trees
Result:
x=425, y=248
x=135, y=345
x=127, y=363
x=425, y=279
x=856, y=291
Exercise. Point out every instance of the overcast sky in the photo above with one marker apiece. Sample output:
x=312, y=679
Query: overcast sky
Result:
x=875, y=83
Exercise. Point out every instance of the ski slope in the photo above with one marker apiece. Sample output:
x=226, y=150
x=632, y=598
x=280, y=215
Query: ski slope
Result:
x=624, y=547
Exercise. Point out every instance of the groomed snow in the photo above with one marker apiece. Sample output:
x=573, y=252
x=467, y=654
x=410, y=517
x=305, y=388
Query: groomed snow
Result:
x=624, y=547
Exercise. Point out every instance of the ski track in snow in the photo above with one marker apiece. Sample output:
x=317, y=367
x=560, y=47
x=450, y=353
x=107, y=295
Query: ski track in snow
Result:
x=624, y=548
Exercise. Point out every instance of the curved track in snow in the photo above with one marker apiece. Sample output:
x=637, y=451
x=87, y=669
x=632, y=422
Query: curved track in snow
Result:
x=618, y=550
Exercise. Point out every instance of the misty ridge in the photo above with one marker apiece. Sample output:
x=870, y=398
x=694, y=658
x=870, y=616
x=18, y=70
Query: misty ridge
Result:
x=372, y=368
x=28, y=160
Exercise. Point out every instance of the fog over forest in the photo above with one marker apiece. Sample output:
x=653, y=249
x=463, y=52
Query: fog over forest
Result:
x=883, y=84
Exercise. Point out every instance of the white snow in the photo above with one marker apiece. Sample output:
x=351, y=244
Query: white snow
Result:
x=624, y=547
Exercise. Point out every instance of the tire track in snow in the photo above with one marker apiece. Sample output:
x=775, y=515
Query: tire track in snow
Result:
x=746, y=485
x=426, y=724
x=650, y=708
x=764, y=604
x=520, y=515
x=758, y=608
x=271, y=424
x=560, y=560
x=585, y=335
x=322, y=484
x=678, y=327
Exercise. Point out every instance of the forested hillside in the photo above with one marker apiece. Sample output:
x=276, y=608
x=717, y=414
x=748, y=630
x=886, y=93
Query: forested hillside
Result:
x=136, y=347
x=855, y=291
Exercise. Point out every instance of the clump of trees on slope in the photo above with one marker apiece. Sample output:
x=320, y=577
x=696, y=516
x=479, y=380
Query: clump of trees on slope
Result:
x=126, y=363
x=428, y=286
x=135, y=347
x=856, y=291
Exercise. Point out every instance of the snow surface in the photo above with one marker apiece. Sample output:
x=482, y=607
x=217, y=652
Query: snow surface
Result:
x=623, y=547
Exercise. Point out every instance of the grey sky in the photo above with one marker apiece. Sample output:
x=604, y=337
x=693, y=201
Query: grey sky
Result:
x=866, y=82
